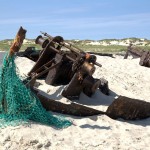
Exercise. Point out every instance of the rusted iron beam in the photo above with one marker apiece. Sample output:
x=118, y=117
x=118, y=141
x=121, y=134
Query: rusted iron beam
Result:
x=122, y=107
x=69, y=46
x=128, y=109
x=70, y=109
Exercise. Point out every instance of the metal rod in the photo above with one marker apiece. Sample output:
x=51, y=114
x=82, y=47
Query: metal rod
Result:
x=63, y=44
x=72, y=48
x=40, y=74
x=48, y=63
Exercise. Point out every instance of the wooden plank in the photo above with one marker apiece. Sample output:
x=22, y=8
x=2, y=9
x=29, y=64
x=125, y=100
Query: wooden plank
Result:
x=17, y=43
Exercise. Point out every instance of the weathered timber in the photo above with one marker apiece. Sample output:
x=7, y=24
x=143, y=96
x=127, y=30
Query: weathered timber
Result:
x=17, y=43
x=128, y=109
x=15, y=47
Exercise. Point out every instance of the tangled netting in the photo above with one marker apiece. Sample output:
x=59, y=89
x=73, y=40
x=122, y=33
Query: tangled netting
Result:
x=18, y=105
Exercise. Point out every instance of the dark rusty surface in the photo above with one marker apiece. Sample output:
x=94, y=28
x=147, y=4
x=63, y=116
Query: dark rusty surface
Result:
x=128, y=109
x=145, y=59
x=73, y=68
x=122, y=107
x=90, y=85
x=46, y=55
x=103, y=86
x=73, y=89
x=102, y=54
x=136, y=52
x=31, y=53
x=71, y=108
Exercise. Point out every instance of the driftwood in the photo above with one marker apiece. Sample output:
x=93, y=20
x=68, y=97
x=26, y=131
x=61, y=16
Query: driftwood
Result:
x=128, y=108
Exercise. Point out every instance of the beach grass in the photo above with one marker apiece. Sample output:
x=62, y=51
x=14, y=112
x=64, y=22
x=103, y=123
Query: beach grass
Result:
x=5, y=45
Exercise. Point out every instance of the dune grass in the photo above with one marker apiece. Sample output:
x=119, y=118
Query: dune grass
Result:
x=5, y=45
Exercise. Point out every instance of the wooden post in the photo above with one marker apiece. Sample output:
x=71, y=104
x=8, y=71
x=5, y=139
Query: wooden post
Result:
x=17, y=42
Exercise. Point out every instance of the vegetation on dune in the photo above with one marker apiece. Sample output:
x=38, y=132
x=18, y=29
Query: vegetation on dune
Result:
x=101, y=48
x=84, y=45
x=6, y=46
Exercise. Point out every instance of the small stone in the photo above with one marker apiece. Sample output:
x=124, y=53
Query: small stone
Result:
x=40, y=146
x=33, y=142
x=48, y=90
x=48, y=144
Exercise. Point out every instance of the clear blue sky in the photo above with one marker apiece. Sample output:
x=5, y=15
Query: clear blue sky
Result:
x=76, y=19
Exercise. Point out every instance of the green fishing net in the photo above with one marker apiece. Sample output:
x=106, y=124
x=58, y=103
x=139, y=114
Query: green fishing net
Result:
x=18, y=105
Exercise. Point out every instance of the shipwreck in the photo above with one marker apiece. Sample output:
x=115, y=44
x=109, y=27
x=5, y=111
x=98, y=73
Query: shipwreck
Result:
x=61, y=63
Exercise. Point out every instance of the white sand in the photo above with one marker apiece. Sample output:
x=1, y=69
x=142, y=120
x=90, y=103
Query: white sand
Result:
x=126, y=77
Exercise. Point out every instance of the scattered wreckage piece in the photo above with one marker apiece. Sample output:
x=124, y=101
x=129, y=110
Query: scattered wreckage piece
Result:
x=122, y=107
x=128, y=109
x=145, y=59
x=31, y=53
x=102, y=54
x=73, y=68
x=71, y=108
x=137, y=53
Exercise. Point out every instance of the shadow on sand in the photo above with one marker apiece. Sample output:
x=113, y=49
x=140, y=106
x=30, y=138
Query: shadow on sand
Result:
x=98, y=98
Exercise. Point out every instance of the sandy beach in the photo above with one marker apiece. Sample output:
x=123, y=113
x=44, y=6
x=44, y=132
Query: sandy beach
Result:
x=125, y=77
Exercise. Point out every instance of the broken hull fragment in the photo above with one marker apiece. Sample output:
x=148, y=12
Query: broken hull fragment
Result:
x=122, y=107
x=128, y=109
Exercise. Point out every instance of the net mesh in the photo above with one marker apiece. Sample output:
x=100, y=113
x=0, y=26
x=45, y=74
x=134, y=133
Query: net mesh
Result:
x=18, y=105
